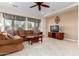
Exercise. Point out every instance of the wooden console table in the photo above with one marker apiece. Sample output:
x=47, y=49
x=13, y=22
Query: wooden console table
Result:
x=57, y=35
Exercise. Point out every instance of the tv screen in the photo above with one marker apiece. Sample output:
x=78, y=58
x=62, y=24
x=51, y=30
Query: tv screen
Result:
x=54, y=28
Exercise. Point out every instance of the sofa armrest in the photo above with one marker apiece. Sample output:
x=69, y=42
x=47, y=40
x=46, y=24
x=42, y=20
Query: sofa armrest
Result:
x=7, y=42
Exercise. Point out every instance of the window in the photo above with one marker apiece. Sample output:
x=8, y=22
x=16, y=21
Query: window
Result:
x=34, y=24
x=19, y=24
x=30, y=25
x=8, y=25
x=12, y=22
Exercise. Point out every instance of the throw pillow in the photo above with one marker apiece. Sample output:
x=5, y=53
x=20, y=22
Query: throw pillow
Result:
x=8, y=36
x=16, y=37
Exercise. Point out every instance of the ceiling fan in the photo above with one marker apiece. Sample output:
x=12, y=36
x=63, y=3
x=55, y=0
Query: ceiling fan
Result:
x=40, y=4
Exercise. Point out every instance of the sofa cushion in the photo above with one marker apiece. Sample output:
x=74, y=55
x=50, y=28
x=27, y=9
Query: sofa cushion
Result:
x=8, y=36
x=2, y=37
x=16, y=37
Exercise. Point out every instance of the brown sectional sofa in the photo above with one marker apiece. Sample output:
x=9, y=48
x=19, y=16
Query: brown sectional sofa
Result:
x=10, y=46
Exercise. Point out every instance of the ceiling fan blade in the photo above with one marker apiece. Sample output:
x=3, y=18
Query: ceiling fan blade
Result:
x=45, y=5
x=39, y=7
x=33, y=6
x=38, y=2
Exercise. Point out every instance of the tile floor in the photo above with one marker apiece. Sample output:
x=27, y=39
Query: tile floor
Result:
x=49, y=47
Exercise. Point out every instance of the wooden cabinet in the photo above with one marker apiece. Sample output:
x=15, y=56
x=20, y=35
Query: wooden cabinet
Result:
x=50, y=34
x=57, y=35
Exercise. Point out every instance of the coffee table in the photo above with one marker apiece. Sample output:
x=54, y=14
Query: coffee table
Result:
x=32, y=39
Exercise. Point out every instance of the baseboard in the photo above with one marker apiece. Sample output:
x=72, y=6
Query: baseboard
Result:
x=70, y=40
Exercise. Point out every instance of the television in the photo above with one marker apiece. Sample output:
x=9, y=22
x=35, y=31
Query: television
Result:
x=54, y=28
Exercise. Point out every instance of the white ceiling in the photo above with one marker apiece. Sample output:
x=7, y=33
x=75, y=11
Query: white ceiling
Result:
x=25, y=7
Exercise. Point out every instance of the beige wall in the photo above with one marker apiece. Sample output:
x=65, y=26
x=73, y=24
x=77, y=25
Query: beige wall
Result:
x=68, y=24
x=78, y=23
x=43, y=26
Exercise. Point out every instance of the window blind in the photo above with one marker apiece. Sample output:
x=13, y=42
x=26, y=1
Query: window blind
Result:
x=13, y=17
